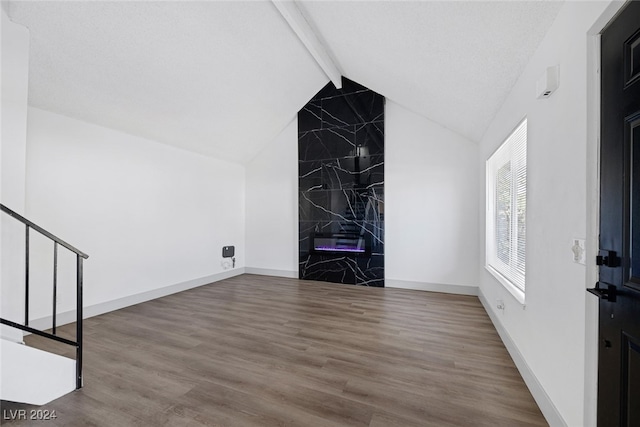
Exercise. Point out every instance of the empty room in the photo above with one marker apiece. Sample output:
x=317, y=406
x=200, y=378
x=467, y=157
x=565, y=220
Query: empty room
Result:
x=320, y=213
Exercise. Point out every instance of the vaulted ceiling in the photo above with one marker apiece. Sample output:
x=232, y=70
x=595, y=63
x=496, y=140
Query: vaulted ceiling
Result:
x=222, y=78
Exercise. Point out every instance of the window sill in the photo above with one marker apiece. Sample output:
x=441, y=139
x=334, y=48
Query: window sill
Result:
x=513, y=290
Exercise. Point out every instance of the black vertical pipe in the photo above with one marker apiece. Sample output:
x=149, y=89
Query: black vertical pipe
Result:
x=55, y=283
x=79, y=323
x=26, y=277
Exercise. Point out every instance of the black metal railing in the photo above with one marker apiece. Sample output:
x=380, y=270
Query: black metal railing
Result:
x=80, y=256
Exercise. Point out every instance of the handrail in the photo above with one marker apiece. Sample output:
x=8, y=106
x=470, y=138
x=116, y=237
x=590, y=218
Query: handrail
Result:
x=80, y=257
x=42, y=231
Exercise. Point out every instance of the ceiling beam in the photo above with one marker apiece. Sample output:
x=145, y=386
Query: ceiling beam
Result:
x=292, y=14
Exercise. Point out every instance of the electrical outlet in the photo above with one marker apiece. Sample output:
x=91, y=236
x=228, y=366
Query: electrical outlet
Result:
x=578, y=251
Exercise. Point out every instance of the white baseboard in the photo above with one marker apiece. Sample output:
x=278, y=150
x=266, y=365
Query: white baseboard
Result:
x=549, y=410
x=8, y=333
x=271, y=272
x=44, y=323
x=432, y=287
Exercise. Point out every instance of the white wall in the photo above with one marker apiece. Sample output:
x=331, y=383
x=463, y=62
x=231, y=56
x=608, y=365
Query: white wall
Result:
x=15, y=74
x=431, y=199
x=272, y=207
x=549, y=332
x=149, y=215
x=431, y=195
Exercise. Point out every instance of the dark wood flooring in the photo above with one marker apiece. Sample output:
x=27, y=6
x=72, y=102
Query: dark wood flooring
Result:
x=266, y=351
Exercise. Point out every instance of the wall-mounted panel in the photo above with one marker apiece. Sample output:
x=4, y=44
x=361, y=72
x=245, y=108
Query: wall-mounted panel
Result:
x=341, y=186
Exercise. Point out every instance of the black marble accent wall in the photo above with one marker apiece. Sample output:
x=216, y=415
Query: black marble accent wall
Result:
x=341, y=186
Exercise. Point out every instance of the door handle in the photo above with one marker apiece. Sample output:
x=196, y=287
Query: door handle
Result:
x=609, y=293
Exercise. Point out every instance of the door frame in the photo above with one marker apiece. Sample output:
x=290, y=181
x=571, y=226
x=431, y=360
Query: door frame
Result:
x=593, y=209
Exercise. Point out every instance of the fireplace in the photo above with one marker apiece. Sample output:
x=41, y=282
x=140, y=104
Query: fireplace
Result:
x=341, y=186
x=323, y=243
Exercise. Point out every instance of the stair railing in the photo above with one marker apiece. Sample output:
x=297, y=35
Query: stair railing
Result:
x=80, y=256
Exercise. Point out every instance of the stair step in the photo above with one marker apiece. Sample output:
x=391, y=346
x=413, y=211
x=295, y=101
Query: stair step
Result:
x=33, y=376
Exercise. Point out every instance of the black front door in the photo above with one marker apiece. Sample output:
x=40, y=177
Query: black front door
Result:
x=619, y=251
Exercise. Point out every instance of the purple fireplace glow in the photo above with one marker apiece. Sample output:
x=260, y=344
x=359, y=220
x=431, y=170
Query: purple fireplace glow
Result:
x=321, y=242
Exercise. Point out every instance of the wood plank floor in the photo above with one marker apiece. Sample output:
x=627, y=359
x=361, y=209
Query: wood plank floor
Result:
x=265, y=351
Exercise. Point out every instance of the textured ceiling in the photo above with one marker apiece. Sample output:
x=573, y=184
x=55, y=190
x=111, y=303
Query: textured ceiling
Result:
x=223, y=78
x=218, y=78
x=452, y=61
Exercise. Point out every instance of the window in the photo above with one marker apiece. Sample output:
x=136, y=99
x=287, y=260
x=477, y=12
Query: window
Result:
x=506, y=211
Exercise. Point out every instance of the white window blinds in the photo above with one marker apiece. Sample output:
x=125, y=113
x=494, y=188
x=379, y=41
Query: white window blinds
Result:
x=507, y=207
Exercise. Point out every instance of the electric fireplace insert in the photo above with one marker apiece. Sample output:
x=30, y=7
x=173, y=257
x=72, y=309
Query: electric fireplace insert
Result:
x=338, y=243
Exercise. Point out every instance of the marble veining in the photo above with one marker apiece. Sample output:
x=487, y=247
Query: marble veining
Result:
x=341, y=184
